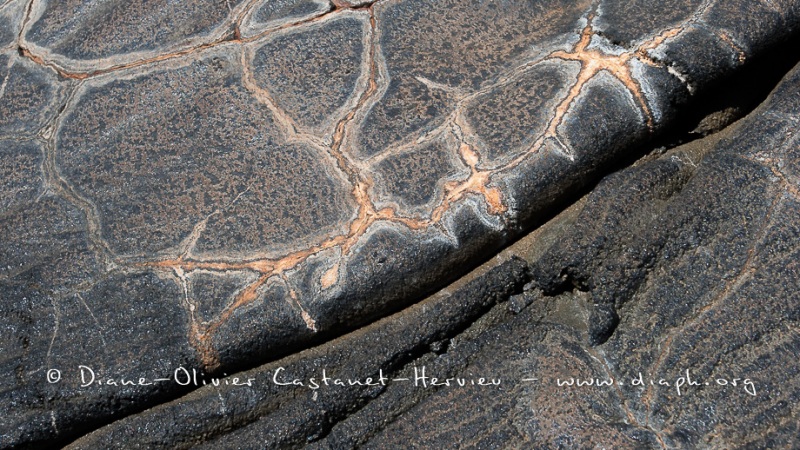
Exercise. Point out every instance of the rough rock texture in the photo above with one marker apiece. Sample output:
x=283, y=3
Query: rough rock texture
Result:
x=695, y=252
x=215, y=185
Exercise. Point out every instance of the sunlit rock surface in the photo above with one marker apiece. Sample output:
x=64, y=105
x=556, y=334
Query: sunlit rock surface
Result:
x=216, y=185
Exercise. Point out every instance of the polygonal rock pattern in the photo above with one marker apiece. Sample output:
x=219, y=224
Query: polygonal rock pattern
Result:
x=218, y=184
x=218, y=149
x=314, y=89
x=414, y=179
x=275, y=14
x=82, y=31
x=706, y=237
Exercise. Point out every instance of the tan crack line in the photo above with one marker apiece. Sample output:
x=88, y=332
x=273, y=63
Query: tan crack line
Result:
x=592, y=61
x=269, y=268
x=237, y=38
x=56, y=183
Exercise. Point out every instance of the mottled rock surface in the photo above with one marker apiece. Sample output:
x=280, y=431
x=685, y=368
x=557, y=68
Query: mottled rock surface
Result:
x=211, y=186
x=694, y=252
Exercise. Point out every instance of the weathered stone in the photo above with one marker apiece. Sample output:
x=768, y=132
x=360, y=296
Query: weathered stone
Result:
x=187, y=155
x=21, y=175
x=83, y=31
x=697, y=248
x=109, y=328
x=30, y=94
x=292, y=415
x=223, y=184
x=212, y=291
x=6, y=32
x=630, y=22
x=45, y=243
x=414, y=178
x=12, y=14
x=315, y=89
x=510, y=118
x=436, y=52
x=736, y=30
x=699, y=261
x=44, y=237
x=273, y=14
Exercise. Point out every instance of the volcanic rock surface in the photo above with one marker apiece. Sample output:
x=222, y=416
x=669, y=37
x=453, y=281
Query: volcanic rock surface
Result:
x=206, y=187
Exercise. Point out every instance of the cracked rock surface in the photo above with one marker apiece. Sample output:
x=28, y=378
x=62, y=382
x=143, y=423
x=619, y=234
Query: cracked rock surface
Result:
x=716, y=225
x=212, y=186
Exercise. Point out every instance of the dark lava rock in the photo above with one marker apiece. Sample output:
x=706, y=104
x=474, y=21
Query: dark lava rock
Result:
x=695, y=255
x=84, y=33
x=211, y=186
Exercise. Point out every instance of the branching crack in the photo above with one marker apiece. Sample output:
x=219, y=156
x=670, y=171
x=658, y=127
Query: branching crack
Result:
x=478, y=182
x=102, y=67
x=593, y=59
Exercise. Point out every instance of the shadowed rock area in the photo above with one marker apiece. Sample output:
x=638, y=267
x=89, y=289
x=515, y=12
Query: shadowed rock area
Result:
x=190, y=190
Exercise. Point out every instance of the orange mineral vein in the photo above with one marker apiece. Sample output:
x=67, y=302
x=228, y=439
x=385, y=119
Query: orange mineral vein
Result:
x=268, y=269
x=595, y=60
x=592, y=60
x=367, y=215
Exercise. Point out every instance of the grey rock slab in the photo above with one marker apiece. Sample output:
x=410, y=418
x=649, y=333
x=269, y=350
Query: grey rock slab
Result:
x=436, y=52
x=291, y=415
x=508, y=119
x=22, y=175
x=31, y=95
x=12, y=13
x=241, y=196
x=314, y=73
x=268, y=15
x=91, y=35
x=186, y=157
x=44, y=236
x=414, y=180
x=737, y=29
x=66, y=353
x=701, y=275
x=695, y=251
